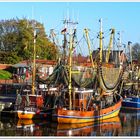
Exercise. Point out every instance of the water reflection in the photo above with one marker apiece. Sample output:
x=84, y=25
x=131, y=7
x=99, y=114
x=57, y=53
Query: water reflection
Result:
x=130, y=123
x=127, y=124
x=13, y=127
x=27, y=128
x=110, y=127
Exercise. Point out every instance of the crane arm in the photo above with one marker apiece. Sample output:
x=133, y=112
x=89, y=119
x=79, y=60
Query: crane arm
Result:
x=110, y=44
x=89, y=48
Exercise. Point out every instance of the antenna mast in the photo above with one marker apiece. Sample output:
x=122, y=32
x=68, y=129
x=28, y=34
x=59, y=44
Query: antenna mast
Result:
x=72, y=33
x=34, y=64
x=120, y=41
x=34, y=58
x=101, y=42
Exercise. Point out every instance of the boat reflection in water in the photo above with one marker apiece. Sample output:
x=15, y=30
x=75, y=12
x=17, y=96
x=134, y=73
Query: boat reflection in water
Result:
x=130, y=123
x=127, y=125
x=108, y=127
x=30, y=127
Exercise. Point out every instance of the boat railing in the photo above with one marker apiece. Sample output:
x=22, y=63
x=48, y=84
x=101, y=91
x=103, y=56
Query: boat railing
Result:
x=31, y=107
x=79, y=108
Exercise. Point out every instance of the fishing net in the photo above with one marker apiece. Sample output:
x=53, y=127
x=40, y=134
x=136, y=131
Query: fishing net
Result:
x=84, y=78
x=109, y=78
x=110, y=75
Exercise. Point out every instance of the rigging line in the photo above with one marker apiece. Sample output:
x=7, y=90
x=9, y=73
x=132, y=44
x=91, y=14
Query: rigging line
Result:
x=78, y=41
x=93, y=34
x=82, y=45
x=58, y=25
x=95, y=44
x=116, y=43
x=93, y=31
x=86, y=39
x=95, y=37
x=106, y=47
x=107, y=31
x=91, y=40
x=106, y=35
x=78, y=45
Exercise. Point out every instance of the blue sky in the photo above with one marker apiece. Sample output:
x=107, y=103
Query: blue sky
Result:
x=123, y=16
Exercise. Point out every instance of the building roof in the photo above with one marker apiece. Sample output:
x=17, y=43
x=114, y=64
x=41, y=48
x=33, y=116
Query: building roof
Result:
x=20, y=65
x=25, y=63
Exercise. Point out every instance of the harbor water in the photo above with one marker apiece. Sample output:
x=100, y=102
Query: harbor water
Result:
x=126, y=124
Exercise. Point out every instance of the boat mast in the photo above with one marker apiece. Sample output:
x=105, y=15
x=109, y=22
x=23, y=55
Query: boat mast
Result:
x=64, y=32
x=130, y=49
x=34, y=64
x=101, y=42
x=70, y=70
x=71, y=46
x=120, y=42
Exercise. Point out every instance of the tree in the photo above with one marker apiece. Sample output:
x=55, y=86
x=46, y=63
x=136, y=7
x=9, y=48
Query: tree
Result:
x=136, y=51
x=16, y=41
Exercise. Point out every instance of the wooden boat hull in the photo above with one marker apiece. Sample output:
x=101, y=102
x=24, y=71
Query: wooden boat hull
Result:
x=25, y=115
x=31, y=115
x=132, y=103
x=34, y=110
x=75, y=116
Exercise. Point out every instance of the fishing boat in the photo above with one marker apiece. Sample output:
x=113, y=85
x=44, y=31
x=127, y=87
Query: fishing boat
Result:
x=32, y=108
x=131, y=87
x=131, y=96
x=30, y=102
x=90, y=114
x=83, y=105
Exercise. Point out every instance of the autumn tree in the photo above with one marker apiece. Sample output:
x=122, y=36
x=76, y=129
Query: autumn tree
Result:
x=16, y=41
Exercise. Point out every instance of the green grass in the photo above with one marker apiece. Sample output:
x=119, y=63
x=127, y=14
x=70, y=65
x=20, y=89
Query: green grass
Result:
x=5, y=74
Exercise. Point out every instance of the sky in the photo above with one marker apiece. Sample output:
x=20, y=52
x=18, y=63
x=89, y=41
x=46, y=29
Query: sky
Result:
x=123, y=16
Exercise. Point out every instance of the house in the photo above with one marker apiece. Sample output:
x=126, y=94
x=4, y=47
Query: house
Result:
x=23, y=70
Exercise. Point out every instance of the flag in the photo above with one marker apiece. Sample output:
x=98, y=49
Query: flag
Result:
x=64, y=30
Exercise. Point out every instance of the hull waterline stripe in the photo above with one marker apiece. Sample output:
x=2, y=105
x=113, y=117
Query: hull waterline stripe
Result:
x=94, y=117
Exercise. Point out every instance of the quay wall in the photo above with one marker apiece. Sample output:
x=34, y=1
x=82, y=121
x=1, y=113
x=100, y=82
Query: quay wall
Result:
x=4, y=66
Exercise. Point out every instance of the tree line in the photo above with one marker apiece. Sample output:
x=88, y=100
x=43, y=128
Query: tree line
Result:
x=136, y=52
x=16, y=41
